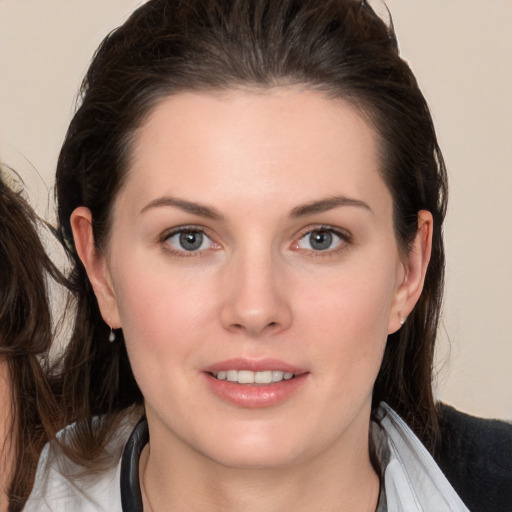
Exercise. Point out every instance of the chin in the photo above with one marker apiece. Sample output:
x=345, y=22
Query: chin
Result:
x=258, y=450
x=256, y=459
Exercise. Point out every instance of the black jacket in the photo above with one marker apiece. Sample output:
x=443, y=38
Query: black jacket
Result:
x=476, y=456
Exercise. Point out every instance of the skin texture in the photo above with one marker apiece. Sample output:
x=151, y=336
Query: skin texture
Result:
x=256, y=289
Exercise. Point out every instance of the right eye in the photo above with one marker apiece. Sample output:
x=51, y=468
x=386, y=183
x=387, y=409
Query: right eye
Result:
x=322, y=239
x=189, y=240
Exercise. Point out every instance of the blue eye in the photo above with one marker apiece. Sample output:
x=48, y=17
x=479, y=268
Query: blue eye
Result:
x=320, y=240
x=189, y=240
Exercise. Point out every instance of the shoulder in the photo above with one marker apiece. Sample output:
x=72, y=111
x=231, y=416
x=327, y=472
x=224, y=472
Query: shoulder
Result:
x=475, y=454
x=61, y=484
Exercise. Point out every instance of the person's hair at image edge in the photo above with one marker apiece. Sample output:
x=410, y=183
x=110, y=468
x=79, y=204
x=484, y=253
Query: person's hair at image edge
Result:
x=340, y=48
x=26, y=334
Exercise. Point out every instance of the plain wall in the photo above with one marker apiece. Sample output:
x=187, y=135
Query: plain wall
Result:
x=461, y=53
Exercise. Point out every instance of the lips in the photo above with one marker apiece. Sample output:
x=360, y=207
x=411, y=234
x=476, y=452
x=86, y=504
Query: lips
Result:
x=252, y=384
x=254, y=365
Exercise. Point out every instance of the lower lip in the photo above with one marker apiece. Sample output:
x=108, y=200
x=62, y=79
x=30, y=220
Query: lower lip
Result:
x=255, y=395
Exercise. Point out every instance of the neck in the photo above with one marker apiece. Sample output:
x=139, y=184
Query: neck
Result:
x=6, y=433
x=332, y=481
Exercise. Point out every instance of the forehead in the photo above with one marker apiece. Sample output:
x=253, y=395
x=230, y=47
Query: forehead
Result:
x=258, y=146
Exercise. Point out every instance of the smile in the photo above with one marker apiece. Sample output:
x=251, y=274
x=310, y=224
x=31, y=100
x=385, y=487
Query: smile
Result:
x=250, y=377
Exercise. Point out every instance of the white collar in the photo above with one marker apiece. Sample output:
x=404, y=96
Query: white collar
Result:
x=413, y=481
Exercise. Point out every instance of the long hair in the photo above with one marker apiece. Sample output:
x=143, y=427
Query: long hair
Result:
x=340, y=48
x=26, y=334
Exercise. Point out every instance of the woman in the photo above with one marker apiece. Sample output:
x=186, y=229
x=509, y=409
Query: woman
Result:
x=29, y=416
x=253, y=196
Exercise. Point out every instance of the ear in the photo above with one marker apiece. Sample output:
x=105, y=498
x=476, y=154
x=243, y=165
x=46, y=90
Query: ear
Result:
x=414, y=268
x=95, y=264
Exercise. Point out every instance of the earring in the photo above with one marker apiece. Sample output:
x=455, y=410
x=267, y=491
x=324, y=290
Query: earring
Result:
x=402, y=321
x=112, y=335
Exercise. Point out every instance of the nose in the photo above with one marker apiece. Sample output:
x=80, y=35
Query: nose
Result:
x=255, y=299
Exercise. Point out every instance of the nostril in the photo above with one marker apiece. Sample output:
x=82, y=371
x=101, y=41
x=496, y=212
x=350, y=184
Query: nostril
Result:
x=271, y=326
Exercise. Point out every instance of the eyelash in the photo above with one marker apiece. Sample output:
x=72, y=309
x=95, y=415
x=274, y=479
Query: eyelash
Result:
x=164, y=238
x=344, y=236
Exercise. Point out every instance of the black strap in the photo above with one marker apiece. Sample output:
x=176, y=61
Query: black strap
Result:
x=131, y=497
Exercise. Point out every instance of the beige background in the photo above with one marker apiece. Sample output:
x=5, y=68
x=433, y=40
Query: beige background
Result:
x=461, y=52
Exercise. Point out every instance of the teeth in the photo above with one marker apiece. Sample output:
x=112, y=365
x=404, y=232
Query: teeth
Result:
x=232, y=375
x=248, y=377
x=245, y=377
x=277, y=376
x=263, y=377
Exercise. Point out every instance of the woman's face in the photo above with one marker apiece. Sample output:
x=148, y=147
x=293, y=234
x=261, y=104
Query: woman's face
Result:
x=252, y=242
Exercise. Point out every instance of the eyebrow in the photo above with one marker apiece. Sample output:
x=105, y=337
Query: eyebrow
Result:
x=208, y=212
x=324, y=205
x=187, y=206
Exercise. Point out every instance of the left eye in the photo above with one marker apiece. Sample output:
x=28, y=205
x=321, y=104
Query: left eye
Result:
x=320, y=240
x=190, y=240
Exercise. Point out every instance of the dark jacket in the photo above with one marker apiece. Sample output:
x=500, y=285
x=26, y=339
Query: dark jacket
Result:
x=476, y=456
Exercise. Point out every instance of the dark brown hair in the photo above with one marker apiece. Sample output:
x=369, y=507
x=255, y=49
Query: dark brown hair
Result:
x=338, y=47
x=26, y=333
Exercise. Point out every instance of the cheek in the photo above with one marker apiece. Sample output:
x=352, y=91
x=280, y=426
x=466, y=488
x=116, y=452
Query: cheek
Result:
x=162, y=322
x=348, y=317
x=162, y=317
x=152, y=297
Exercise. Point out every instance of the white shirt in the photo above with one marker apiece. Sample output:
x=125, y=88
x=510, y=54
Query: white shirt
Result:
x=413, y=481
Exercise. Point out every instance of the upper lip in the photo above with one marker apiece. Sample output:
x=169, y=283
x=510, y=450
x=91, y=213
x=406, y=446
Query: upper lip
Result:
x=254, y=365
